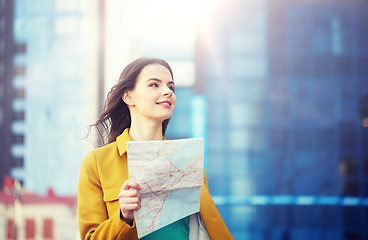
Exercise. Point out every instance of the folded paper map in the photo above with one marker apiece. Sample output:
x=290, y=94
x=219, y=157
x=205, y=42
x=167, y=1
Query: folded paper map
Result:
x=170, y=174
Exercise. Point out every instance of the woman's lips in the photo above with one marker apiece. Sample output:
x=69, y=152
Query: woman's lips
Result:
x=165, y=103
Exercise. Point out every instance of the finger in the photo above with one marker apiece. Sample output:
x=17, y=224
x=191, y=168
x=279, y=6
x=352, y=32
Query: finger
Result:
x=129, y=193
x=130, y=184
x=133, y=200
x=130, y=207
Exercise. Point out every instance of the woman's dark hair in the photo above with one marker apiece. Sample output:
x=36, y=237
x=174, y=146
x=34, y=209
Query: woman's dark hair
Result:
x=115, y=116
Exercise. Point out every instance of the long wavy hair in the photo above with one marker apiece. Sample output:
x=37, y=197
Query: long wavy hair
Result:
x=115, y=116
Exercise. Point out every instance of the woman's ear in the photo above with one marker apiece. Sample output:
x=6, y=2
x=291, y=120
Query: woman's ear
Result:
x=127, y=98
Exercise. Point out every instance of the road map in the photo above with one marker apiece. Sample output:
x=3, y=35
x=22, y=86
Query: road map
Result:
x=170, y=174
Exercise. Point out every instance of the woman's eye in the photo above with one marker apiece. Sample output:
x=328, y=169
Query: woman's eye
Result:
x=172, y=89
x=154, y=85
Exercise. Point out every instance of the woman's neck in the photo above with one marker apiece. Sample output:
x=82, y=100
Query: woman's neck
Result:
x=145, y=132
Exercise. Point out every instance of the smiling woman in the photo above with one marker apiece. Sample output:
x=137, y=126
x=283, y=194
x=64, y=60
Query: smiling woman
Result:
x=138, y=108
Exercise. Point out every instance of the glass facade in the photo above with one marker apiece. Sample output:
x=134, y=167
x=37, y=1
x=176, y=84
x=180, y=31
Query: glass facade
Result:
x=7, y=92
x=286, y=84
x=57, y=101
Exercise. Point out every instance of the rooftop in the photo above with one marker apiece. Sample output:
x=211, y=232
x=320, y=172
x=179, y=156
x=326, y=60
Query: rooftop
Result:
x=7, y=197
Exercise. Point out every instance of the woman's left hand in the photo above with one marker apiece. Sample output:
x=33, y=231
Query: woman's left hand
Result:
x=129, y=200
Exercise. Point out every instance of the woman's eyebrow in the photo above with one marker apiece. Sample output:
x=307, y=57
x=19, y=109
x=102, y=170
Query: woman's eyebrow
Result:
x=159, y=80
x=154, y=79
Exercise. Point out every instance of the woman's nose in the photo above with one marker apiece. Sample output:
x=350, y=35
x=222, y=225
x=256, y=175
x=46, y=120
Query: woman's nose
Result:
x=168, y=92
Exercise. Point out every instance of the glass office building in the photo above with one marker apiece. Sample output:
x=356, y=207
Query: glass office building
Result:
x=287, y=105
x=58, y=78
x=7, y=91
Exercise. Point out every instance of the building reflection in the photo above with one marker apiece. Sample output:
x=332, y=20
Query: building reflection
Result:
x=287, y=94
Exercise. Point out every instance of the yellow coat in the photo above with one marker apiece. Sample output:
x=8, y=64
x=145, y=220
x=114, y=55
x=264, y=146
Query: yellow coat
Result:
x=102, y=174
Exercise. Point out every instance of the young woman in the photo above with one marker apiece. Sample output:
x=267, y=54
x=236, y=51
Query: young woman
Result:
x=138, y=108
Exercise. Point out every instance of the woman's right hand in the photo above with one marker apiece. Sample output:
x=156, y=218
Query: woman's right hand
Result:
x=129, y=200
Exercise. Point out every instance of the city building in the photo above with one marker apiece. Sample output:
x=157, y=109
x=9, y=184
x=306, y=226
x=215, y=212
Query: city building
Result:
x=286, y=88
x=9, y=94
x=58, y=72
x=37, y=217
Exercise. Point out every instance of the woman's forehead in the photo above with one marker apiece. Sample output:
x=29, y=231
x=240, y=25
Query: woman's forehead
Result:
x=155, y=71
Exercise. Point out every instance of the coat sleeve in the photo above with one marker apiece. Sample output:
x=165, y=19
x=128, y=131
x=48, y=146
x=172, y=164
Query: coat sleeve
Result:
x=215, y=225
x=94, y=222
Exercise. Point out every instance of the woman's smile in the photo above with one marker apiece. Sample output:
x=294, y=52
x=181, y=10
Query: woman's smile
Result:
x=166, y=104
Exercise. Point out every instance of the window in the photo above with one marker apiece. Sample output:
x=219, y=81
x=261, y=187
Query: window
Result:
x=349, y=166
x=10, y=230
x=66, y=26
x=48, y=231
x=248, y=43
x=299, y=66
x=245, y=114
x=30, y=228
x=239, y=140
x=279, y=113
x=362, y=63
x=216, y=139
x=278, y=138
x=330, y=216
x=20, y=70
x=344, y=66
x=17, y=161
x=303, y=139
x=18, y=127
x=351, y=217
x=253, y=67
x=325, y=138
x=247, y=90
x=306, y=217
x=322, y=66
x=17, y=149
x=351, y=187
x=277, y=66
x=336, y=45
x=241, y=186
x=348, y=137
x=66, y=6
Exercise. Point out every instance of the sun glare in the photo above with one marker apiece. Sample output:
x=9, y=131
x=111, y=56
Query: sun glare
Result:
x=189, y=12
x=152, y=28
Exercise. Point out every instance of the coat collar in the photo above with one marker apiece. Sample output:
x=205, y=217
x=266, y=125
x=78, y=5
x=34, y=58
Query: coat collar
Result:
x=122, y=139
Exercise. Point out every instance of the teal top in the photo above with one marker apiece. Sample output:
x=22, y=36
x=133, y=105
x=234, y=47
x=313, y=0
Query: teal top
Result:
x=178, y=230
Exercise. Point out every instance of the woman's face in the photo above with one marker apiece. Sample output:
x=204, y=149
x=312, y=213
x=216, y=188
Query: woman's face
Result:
x=153, y=96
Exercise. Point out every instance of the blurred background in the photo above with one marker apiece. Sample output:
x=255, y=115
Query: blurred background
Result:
x=278, y=88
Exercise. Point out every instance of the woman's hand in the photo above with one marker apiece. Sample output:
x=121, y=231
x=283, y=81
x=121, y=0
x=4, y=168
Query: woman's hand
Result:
x=129, y=200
